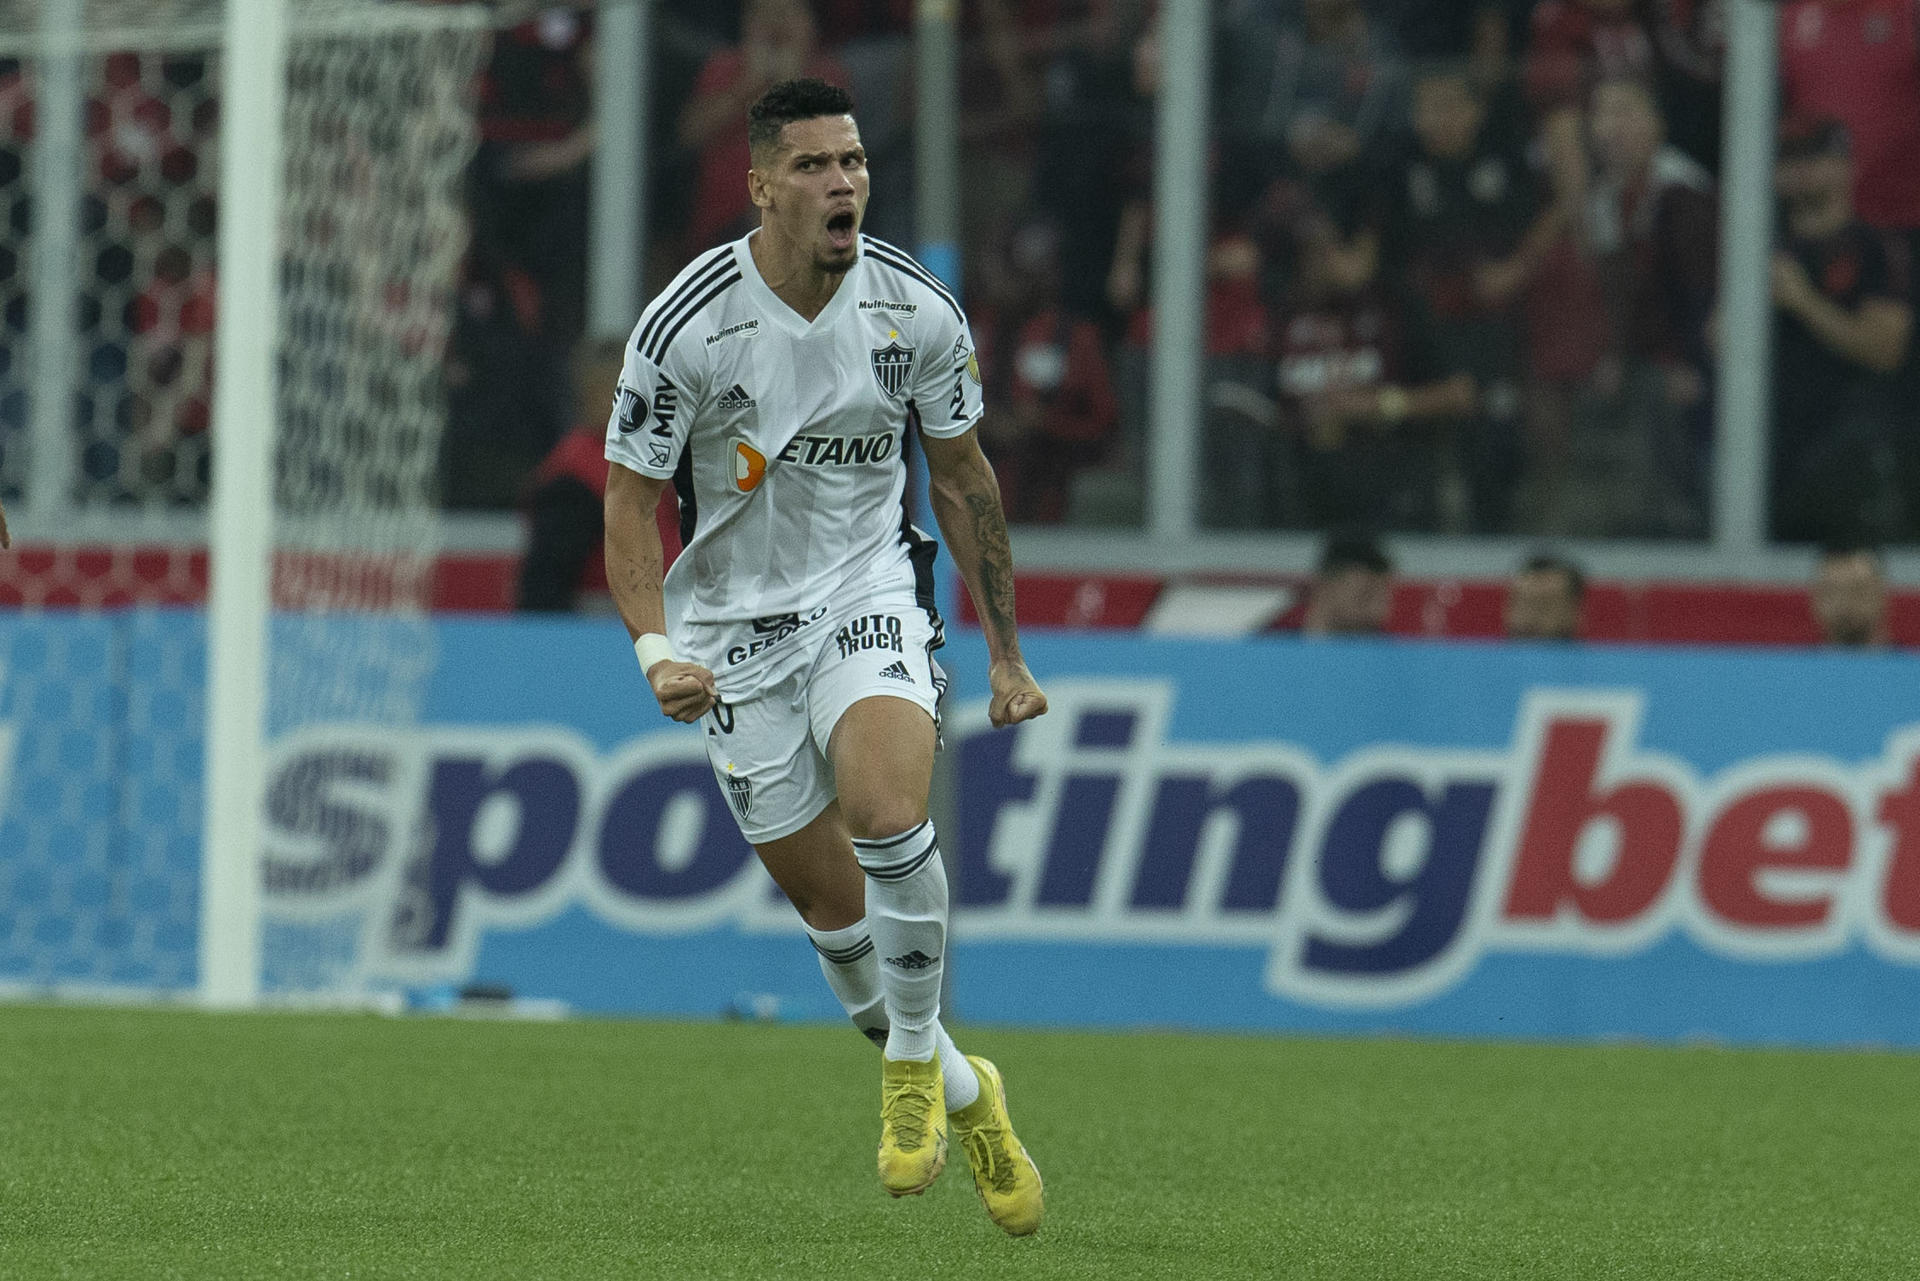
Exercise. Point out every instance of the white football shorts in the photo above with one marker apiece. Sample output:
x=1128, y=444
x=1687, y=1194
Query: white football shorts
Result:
x=769, y=751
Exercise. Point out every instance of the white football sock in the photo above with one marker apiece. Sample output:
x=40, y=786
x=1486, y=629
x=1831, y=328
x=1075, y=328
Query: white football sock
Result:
x=853, y=972
x=846, y=958
x=961, y=1085
x=907, y=917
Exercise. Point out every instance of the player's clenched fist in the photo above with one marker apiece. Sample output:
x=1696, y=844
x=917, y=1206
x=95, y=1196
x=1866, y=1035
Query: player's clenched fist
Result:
x=1016, y=695
x=685, y=690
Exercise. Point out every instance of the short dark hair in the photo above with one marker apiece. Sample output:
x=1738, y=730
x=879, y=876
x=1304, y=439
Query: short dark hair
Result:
x=789, y=101
x=1553, y=563
x=1354, y=549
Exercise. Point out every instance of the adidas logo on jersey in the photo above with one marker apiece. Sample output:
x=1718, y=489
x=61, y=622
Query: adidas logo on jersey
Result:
x=897, y=670
x=735, y=397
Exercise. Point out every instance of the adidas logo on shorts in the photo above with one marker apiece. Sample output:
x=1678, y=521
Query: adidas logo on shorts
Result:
x=735, y=397
x=897, y=670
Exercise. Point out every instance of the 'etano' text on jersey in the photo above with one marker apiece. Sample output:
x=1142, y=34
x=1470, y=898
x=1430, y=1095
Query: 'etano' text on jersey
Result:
x=787, y=440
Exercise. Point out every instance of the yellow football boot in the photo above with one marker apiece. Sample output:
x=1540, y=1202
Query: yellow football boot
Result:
x=913, y=1125
x=1006, y=1177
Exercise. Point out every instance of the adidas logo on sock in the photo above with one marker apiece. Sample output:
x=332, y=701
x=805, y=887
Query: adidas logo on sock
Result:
x=914, y=960
x=897, y=670
x=735, y=397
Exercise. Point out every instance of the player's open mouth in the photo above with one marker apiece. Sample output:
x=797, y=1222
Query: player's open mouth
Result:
x=840, y=230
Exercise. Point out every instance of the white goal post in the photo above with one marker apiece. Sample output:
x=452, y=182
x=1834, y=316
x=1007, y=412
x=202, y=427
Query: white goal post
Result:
x=240, y=526
x=295, y=168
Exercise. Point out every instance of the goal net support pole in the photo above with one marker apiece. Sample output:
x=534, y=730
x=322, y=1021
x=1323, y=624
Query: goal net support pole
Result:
x=253, y=80
x=1744, y=376
x=60, y=117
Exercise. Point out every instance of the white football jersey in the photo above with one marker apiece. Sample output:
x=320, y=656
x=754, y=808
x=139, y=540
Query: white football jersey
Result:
x=786, y=442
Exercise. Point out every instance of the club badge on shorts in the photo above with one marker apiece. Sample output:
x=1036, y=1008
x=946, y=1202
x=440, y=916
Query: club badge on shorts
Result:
x=891, y=365
x=740, y=794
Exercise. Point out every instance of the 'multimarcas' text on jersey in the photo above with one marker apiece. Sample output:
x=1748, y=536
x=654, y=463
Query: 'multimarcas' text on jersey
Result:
x=786, y=440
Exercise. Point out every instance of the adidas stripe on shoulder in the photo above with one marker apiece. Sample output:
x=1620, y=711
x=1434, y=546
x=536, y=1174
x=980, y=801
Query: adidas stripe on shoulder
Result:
x=689, y=295
x=683, y=286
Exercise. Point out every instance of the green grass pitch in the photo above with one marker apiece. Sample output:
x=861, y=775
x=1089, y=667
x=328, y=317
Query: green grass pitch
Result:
x=163, y=1144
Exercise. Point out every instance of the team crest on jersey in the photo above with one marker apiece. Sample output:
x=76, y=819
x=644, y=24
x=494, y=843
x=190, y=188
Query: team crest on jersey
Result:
x=891, y=365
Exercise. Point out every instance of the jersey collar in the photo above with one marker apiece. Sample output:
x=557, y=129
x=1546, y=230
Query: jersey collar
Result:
x=774, y=306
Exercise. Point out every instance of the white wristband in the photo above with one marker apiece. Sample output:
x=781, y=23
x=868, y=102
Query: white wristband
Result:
x=653, y=648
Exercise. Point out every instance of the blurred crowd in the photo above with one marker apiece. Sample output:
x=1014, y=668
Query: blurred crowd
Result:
x=1461, y=266
x=1351, y=593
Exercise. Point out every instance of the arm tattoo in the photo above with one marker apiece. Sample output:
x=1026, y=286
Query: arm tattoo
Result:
x=996, y=560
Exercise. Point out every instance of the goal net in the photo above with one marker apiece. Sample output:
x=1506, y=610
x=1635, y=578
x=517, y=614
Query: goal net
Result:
x=110, y=136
